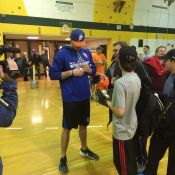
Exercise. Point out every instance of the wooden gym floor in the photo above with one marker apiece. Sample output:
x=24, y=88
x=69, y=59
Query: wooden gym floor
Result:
x=31, y=146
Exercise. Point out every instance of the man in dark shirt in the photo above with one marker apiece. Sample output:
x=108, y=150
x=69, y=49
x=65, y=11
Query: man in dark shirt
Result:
x=36, y=59
x=163, y=137
x=25, y=65
x=45, y=61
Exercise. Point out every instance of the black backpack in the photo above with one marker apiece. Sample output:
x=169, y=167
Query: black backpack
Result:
x=149, y=106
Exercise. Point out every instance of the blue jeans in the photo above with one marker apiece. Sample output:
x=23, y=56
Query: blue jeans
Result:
x=1, y=166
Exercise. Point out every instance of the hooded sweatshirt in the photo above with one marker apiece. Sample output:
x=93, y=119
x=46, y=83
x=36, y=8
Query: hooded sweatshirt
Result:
x=157, y=73
x=73, y=88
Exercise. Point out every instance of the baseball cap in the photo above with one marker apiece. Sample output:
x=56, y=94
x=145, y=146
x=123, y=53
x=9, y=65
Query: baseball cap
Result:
x=78, y=38
x=127, y=54
x=170, y=55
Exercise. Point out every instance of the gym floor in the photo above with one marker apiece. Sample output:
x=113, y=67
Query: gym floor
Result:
x=31, y=146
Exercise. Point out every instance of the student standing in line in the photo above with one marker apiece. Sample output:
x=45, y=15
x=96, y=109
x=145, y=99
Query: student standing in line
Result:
x=124, y=119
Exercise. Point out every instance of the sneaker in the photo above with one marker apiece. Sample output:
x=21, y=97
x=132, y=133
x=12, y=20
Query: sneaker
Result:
x=63, y=169
x=88, y=153
x=141, y=168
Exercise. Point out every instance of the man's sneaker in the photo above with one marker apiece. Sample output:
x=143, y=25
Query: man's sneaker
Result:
x=63, y=169
x=88, y=153
x=141, y=168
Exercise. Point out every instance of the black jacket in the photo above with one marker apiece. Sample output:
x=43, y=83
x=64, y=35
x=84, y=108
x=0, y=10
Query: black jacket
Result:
x=36, y=59
x=167, y=125
x=45, y=60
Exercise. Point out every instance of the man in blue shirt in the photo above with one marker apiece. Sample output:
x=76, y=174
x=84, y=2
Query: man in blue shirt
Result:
x=72, y=65
x=163, y=137
x=9, y=99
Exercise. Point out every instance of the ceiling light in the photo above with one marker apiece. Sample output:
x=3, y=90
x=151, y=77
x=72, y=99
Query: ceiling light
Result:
x=33, y=37
x=67, y=39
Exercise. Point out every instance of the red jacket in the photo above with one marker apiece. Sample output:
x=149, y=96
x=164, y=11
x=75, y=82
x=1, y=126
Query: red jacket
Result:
x=156, y=72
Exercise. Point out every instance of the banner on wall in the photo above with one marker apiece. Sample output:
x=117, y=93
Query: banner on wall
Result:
x=65, y=6
x=81, y=10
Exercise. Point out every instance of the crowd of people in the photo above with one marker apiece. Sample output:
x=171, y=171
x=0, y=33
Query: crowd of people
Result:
x=36, y=59
x=126, y=76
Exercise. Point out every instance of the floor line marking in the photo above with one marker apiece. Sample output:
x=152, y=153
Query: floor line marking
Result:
x=51, y=172
x=52, y=128
x=13, y=128
x=95, y=126
x=100, y=133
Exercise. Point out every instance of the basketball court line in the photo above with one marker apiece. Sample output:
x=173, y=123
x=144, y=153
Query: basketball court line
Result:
x=100, y=133
x=14, y=128
x=52, y=128
x=95, y=126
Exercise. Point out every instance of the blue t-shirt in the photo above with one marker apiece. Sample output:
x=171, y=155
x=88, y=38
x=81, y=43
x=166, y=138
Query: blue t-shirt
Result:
x=72, y=88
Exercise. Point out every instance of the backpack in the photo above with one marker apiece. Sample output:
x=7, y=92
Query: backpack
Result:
x=149, y=108
x=149, y=105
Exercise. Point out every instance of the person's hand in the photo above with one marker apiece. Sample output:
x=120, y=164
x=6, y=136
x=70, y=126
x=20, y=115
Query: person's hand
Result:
x=12, y=64
x=108, y=103
x=113, y=80
x=87, y=69
x=1, y=72
x=77, y=72
x=3, y=75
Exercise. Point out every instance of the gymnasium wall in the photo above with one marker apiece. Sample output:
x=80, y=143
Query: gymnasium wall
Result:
x=154, y=13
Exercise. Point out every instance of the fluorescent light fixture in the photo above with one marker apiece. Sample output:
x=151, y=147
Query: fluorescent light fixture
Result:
x=67, y=39
x=33, y=37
